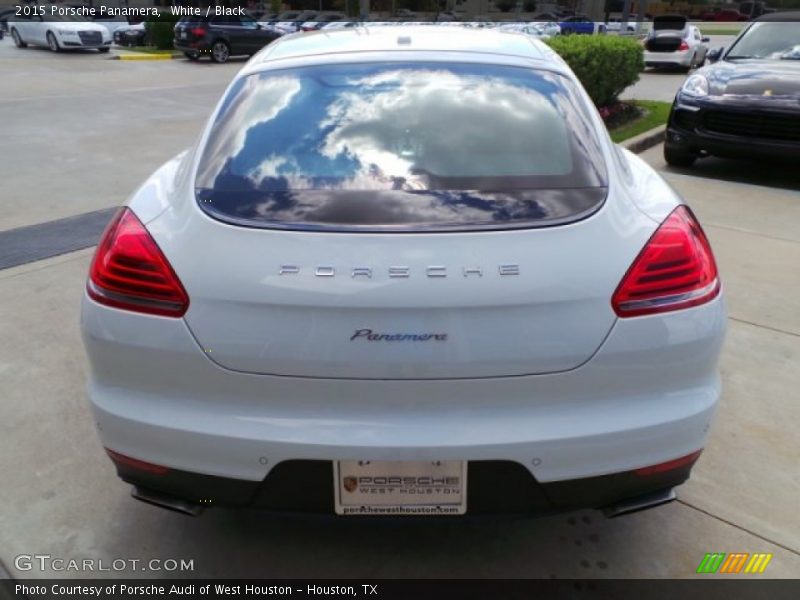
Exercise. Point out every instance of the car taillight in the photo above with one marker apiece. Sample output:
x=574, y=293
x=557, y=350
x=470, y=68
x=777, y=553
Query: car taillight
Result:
x=671, y=465
x=129, y=271
x=135, y=463
x=684, y=46
x=198, y=31
x=674, y=270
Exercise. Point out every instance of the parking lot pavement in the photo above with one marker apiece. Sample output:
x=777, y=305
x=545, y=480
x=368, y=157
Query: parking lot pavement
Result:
x=61, y=497
x=80, y=132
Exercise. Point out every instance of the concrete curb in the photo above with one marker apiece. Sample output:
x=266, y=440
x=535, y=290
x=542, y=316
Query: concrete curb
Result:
x=143, y=56
x=645, y=141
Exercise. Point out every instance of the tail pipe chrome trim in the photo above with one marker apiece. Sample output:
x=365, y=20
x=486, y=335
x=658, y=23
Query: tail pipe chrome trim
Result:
x=640, y=503
x=166, y=501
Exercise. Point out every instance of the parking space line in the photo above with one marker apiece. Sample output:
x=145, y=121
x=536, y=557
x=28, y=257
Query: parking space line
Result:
x=775, y=329
x=710, y=225
x=36, y=242
x=739, y=527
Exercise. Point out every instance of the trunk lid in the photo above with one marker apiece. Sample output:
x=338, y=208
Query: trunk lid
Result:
x=669, y=23
x=404, y=220
x=401, y=306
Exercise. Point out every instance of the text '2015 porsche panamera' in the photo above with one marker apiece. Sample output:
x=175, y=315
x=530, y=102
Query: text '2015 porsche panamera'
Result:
x=403, y=272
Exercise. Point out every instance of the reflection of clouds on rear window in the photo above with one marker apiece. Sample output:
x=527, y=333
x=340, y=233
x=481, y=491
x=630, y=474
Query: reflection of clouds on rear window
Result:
x=390, y=127
x=254, y=104
x=408, y=146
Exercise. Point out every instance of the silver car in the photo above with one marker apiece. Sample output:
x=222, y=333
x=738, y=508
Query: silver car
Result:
x=673, y=42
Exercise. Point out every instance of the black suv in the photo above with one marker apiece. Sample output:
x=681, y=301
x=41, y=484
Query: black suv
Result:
x=221, y=37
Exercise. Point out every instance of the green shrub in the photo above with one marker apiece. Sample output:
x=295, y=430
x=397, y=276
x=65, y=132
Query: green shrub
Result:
x=160, y=30
x=505, y=5
x=605, y=65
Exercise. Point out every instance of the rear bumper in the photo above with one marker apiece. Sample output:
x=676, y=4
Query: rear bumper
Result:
x=494, y=488
x=647, y=396
x=676, y=59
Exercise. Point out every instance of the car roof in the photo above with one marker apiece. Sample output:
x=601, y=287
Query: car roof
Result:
x=793, y=15
x=389, y=41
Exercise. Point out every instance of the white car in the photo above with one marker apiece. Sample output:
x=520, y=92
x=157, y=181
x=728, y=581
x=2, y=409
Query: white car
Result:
x=531, y=29
x=443, y=290
x=550, y=28
x=320, y=21
x=673, y=42
x=280, y=27
x=616, y=25
x=59, y=33
x=341, y=25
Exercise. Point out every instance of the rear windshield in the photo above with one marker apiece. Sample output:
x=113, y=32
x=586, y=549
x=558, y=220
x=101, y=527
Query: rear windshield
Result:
x=405, y=146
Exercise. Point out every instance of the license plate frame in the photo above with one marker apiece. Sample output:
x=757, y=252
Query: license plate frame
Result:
x=388, y=488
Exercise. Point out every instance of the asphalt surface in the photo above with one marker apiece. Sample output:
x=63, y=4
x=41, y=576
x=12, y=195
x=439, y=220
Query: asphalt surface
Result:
x=80, y=132
x=662, y=83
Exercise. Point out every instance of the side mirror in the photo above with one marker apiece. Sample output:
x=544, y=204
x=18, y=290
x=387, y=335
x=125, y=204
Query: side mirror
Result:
x=715, y=54
x=705, y=39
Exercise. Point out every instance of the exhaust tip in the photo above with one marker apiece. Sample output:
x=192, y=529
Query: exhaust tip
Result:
x=638, y=503
x=166, y=501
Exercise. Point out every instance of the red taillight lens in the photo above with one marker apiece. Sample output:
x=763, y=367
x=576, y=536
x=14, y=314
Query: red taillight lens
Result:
x=135, y=463
x=129, y=271
x=674, y=270
x=198, y=31
x=684, y=46
x=670, y=465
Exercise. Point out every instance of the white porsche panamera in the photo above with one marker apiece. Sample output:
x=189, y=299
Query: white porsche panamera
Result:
x=404, y=271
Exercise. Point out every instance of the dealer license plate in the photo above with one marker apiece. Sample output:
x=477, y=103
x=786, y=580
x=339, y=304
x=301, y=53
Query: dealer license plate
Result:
x=364, y=487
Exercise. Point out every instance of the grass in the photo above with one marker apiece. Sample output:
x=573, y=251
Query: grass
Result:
x=654, y=114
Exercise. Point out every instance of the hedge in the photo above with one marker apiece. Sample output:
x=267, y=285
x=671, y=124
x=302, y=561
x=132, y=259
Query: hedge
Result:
x=160, y=30
x=605, y=65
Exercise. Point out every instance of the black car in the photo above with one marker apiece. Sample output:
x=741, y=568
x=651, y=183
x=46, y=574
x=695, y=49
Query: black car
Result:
x=747, y=103
x=221, y=37
x=135, y=35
